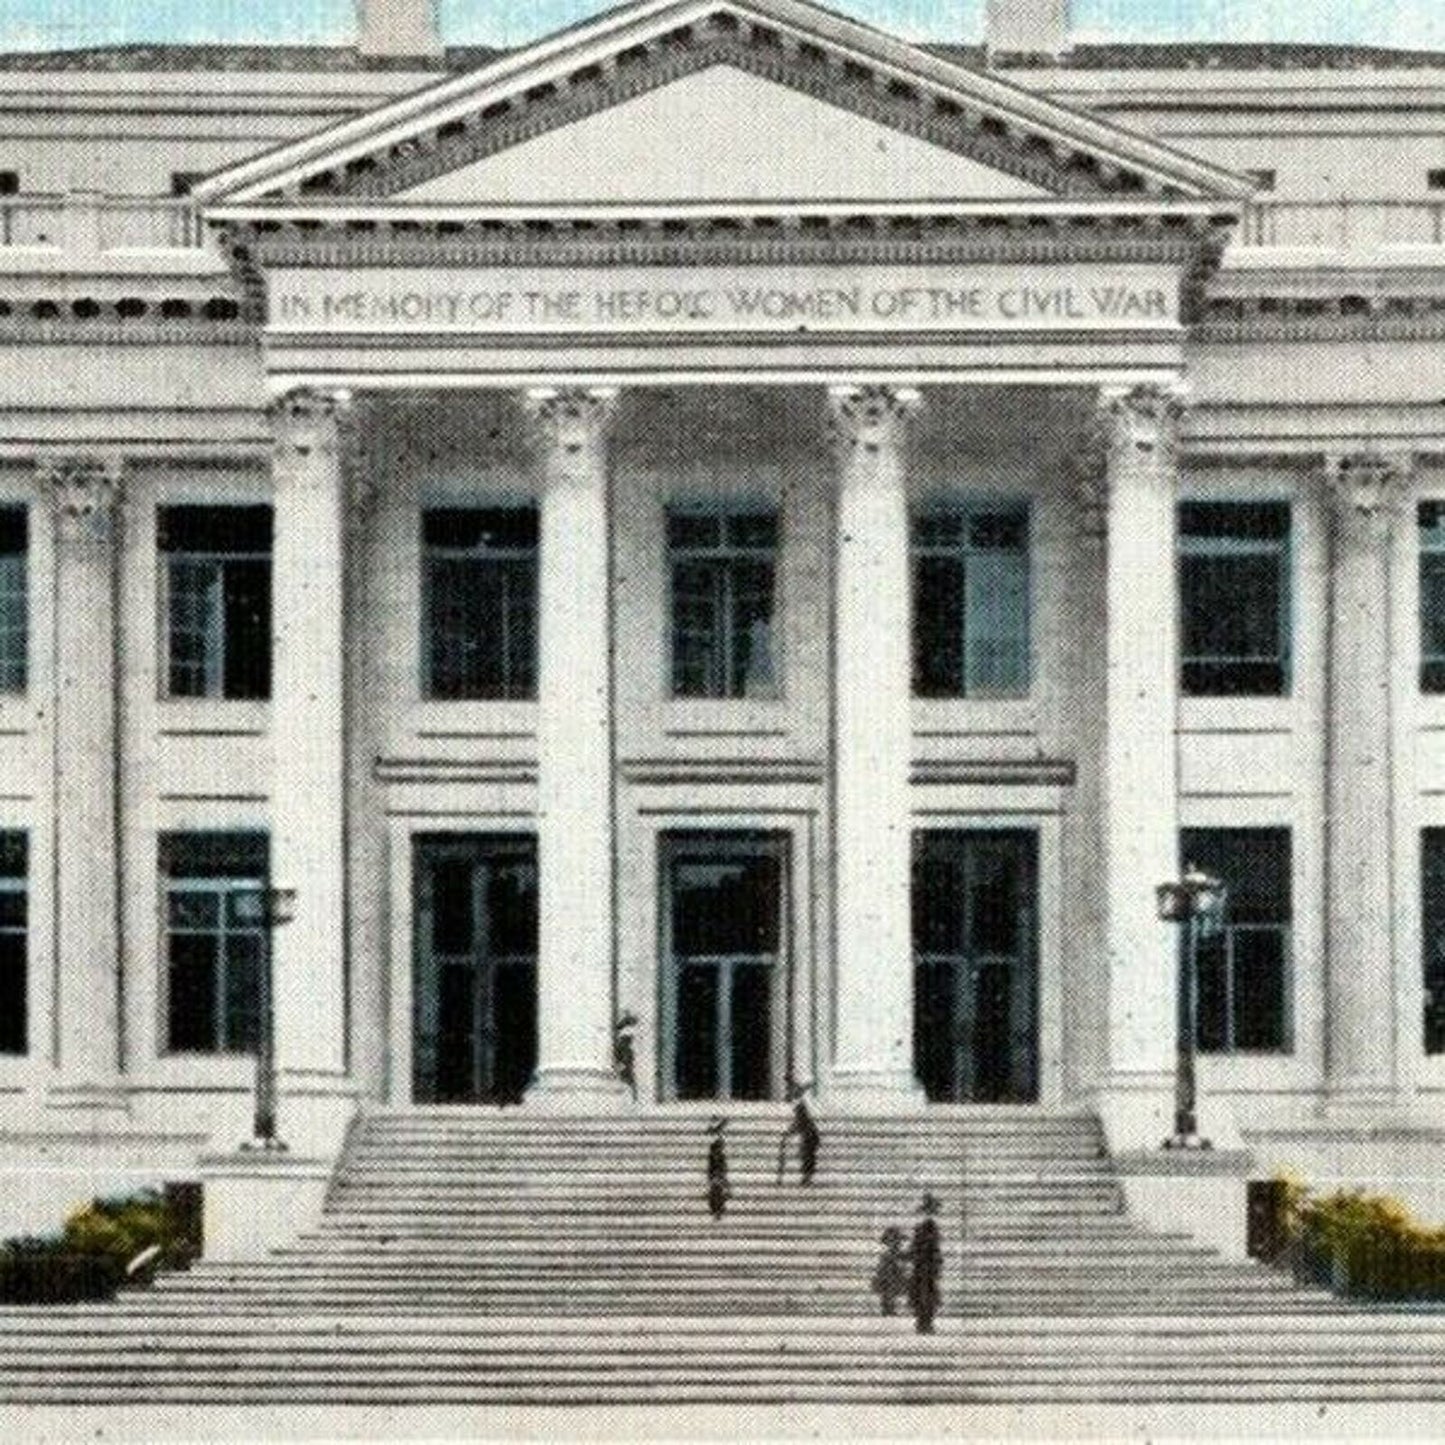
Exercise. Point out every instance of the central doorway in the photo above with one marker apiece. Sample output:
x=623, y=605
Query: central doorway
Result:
x=975, y=1017
x=476, y=969
x=725, y=971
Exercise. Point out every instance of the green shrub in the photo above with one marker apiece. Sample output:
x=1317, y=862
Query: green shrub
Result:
x=88, y=1260
x=1367, y=1244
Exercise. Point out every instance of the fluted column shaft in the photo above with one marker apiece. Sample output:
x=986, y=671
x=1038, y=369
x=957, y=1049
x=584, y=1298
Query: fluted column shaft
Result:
x=84, y=496
x=576, y=852
x=872, y=753
x=1140, y=760
x=308, y=840
x=1360, y=991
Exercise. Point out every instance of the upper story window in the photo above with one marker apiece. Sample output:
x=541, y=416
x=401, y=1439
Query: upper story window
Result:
x=1431, y=519
x=1234, y=583
x=215, y=939
x=1265, y=178
x=723, y=565
x=1432, y=935
x=1435, y=178
x=14, y=943
x=184, y=182
x=14, y=600
x=1244, y=1001
x=971, y=609
x=9, y=183
x=217, y=563
x=479, y=603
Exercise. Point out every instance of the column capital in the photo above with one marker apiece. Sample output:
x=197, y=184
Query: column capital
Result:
x=571, y=419
x=307, y=422
x=1144, y=418
x=1365, y=489
x=83, y=493
x=871, y=418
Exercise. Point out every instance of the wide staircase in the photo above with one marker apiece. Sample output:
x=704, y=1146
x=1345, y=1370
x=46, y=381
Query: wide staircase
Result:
x=468, y=1257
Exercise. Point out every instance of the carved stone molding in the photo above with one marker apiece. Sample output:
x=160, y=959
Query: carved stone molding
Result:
x=1086, y=472
x=870, y=418
x=1365, y=489
x=572, y=419
x=84, y=495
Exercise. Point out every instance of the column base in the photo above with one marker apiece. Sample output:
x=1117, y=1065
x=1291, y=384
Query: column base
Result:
x=578, y=1091
x=873, y=1091
x=1361, y=1105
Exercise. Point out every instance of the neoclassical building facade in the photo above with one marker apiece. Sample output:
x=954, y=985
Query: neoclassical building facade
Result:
x=726, y=528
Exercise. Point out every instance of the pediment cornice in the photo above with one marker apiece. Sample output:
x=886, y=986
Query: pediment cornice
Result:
x=650, y=44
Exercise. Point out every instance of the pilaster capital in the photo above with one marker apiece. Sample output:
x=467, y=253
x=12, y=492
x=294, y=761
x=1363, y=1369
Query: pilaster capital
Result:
x=1143, y=420
x=871, y=418
x=83, y=493
x=571, y=420
x=1365, y=489
x=307, y=423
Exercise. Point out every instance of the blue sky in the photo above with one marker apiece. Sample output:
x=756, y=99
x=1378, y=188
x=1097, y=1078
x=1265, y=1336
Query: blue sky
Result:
x=32, y=24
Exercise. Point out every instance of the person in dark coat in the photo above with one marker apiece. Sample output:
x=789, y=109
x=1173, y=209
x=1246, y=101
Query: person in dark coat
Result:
x=925, y=1259
x=890, y=1278
x=624, y=1052
x=719, y=1191
x=806, y=1129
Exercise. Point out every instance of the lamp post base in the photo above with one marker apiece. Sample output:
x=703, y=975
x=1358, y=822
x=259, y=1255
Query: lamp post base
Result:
x=1187, y=1140
x=262, y=1144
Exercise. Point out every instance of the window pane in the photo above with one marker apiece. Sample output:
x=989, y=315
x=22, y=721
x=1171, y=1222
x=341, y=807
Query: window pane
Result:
x=1232, y=617
x=467, y=631
x=1212, y=996
x=14, y=621
x=693, y=530
x=1432, y=621
x=756, y=530
x=697, y=642
x=480, y=529
x=512, y=902
x=193, y=993
x=938, y=898
x=1260, y=997
x=243, y=992
x=997, y=612
x=215, y=855
x=723, y=906
x=752, y=622
x=752, y=1032
x=192, y=909
x=1433, y=936
x=247, y=586
x=1236, y=521
x=453, y=906
x=938, y=623
x=196, y=600
x=697, y=1031
x=217, y=529
x=14, y=1006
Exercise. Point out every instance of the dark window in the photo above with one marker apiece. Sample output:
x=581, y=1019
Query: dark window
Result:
x=215, y=939
x=479, y=603
x=1435, y=178
x=217, y=564
x=14, y=600
x=9, y=183
x=1432, y=935
x=1264, y=179
x=184, y=182
x=723, y=566
x=1431, y=516
x=1244, y=988
x=1234, y=582
x=971, y=628
x=14, y=934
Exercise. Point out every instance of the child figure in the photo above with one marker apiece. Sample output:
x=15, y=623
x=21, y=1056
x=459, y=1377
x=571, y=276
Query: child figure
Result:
x=890, y=1279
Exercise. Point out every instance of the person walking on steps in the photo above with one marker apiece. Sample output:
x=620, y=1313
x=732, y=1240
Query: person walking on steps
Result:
x=719, y=1191
x=925, y=1259
x=624, y=1052
x=805, y=1128
x=890, y=1278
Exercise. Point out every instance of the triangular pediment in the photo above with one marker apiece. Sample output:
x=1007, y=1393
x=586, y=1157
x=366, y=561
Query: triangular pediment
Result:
x=722, y=134
x=717, y=100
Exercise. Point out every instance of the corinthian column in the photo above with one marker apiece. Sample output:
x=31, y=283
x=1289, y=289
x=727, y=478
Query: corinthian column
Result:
x=872, y=755
x=84, y=496
x=1360, y=977
x=308, y=806
x=1140, y=806
x=576, y=882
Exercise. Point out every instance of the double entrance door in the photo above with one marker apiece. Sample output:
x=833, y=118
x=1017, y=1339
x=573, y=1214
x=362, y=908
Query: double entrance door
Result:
x=975, y=1015
x=475, y=992
x=726, y=974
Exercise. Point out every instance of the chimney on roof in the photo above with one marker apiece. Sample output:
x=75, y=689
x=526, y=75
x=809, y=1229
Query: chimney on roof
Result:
x=398, y=29
x=1018, y=31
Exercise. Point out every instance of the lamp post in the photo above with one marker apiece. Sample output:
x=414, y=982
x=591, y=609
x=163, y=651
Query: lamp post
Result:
x=1197, y=902
x=271, y=908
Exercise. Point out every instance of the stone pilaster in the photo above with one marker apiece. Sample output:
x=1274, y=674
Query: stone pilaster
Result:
x=872, y=754
x=1140, y=783
x=85, y=502
x=308, y=711
x=576, y=849
x=1360, y=994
